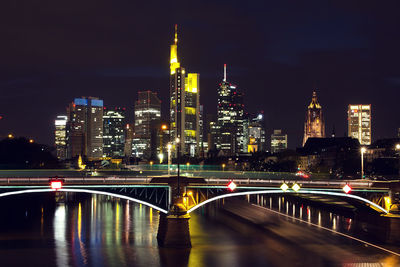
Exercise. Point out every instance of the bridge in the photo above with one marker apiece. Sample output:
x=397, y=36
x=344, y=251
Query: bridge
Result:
x=176, y=197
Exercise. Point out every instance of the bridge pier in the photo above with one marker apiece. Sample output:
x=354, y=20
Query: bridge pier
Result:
x=173, y=228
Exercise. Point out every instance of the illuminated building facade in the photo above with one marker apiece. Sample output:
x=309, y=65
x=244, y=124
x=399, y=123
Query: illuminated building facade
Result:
x=113, y=132
x=256, y=134
x=314, y=125
x=85, y=128
x=184, y=104
x=278, y=141
x=359, y=123
x=230, y=117
x=147, y=122
x=60, y=135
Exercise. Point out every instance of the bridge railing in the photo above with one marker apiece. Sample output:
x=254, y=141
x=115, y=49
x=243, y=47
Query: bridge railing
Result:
x=75, y=180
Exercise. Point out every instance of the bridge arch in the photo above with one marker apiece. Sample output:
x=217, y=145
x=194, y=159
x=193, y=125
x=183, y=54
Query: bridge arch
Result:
x=315, y=192
x=27, y=191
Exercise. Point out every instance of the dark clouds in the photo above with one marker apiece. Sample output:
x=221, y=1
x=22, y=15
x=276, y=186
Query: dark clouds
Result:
x=276, y=51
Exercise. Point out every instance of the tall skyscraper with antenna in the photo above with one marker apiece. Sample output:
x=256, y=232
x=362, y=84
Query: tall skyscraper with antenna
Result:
x=314, y=125
x=184, y=104
x=229, y=118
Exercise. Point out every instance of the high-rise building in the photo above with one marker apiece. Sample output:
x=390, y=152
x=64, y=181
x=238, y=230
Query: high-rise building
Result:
x=184, y=104
x=359, y=123
x=60, y=135
x=85, y=128
x=278, y=141
x=128, y=140
x=314, y=125
x=113, y=132
x=256, y=134
x=230, y=116
x=147, y=123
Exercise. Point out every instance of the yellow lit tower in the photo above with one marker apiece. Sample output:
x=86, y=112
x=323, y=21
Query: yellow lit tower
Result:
x=314, y=125
x=184, y=104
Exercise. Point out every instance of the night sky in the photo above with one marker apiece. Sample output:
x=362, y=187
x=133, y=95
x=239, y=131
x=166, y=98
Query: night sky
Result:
x=277, y=52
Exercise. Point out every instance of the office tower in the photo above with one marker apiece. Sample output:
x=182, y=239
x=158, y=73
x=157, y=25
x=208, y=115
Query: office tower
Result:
x=85, y=128
x=359, y=123
x=113, y=132
x=256, y=134
x=203, y=146
x=60, y=134
x=230, y=118
x=278, y=141
x=147, y=123
x=314, y=125
x=129, y=128
x=184, y=104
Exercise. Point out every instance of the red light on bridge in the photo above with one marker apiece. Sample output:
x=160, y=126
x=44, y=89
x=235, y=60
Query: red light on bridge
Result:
x=346, y=188
x=232, y=186
x=56, y=185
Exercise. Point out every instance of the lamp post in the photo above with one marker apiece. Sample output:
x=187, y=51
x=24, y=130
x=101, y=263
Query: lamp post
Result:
x=363, y=150
x=178, y=159
x=397, y=148
x=169, y=146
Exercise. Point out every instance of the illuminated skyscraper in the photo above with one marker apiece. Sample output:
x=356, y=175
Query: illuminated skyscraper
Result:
x=184, y=104
x=60, y=134
x=278, y=141
x=230, y=118
x=256, y=134
x=147, y=122
x=359, y=123
x=314, y=125
x=85, y=128
x=113, y=132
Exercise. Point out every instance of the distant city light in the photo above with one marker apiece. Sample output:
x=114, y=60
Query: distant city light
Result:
x=56, y=185
x=296, y=187
x=346, y=188
x=284, y=187
x=232, y=186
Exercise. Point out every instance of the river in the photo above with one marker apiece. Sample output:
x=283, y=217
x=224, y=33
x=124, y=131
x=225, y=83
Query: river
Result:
x=90, y=230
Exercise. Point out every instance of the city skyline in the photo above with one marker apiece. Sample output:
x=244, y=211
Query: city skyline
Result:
x=347, y=72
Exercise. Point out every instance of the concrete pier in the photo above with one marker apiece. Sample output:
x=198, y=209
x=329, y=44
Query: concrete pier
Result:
x=173, y=229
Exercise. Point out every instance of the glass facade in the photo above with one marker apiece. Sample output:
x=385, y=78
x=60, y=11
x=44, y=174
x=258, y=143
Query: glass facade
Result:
x=85, y=128
x=184, y=105
x=60, y=134
x=147, y=123
x=359, y=123
x=278, y=141
x=113, y=132
x=230, y=116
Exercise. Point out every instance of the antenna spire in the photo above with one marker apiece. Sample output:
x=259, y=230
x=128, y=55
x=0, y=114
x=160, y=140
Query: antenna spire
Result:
x=224, y=72
x=176, y=34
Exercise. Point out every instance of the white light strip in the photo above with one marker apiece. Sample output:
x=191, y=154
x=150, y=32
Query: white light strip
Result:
x=330, y=230
x=84, y=191
x=281, y=192
x=232, y=195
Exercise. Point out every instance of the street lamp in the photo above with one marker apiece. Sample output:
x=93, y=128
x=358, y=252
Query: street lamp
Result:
x=223, y=166
x=169, y=146
x=397, y=148
x=151, y=165
x=161, y=157
x=363, y=150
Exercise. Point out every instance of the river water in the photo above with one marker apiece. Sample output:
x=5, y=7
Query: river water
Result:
x=90, y=230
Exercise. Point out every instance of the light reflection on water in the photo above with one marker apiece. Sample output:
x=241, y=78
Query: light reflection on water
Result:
x=102, y=231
